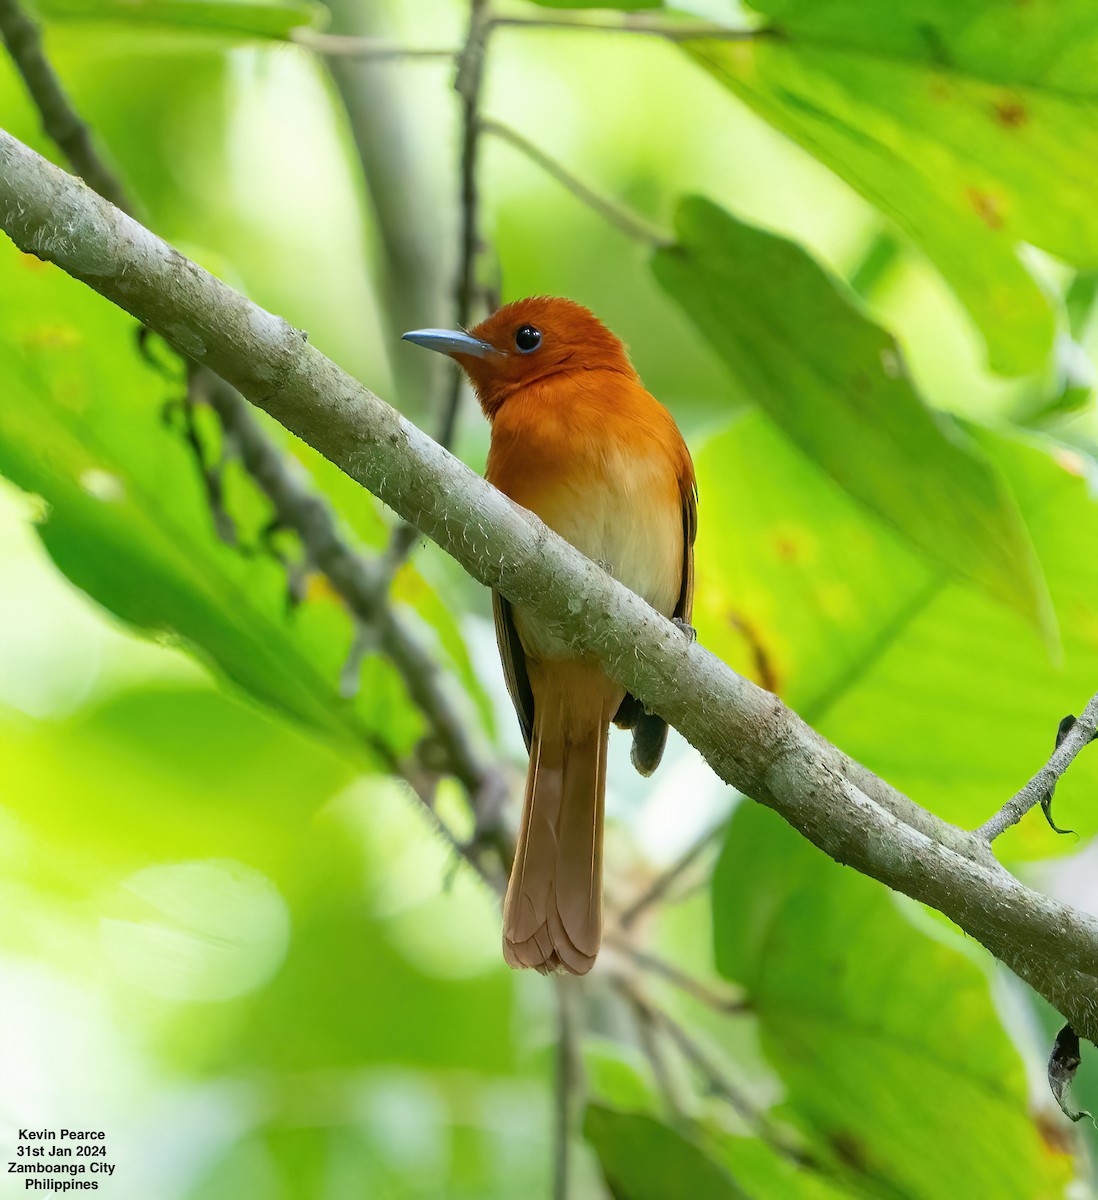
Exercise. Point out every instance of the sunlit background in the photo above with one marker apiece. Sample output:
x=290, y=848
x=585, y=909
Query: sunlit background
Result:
x=248, y=959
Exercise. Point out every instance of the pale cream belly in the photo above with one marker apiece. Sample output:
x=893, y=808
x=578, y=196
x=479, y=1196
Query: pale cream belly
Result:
x=631, y=524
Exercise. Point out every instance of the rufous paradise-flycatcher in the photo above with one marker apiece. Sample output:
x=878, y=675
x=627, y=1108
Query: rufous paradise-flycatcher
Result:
x=578, y=441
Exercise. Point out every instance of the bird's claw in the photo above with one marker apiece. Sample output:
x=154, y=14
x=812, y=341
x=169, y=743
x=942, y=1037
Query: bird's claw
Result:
x=685, y=628
x=607, y=567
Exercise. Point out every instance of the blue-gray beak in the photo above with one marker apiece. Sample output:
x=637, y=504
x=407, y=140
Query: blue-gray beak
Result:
x=450, y=341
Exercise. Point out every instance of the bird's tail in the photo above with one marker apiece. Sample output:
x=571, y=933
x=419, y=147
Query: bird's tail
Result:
x=552, y=916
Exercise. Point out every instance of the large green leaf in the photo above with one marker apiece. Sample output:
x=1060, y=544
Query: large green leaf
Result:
x=247, y=18
x=970, y=125
x=83, y=425
x=835, y=382
x=643, y=1159
x=945, y=694
x=887, y=1039
x=766, y=1174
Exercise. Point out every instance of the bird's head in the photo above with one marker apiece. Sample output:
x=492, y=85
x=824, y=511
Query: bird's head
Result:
x=524, y=342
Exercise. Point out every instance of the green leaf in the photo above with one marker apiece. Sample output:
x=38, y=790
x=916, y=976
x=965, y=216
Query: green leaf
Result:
x=835, y=383
x=969, y=125
x=236, y=17
x=764, y=1173
x=643, y=1159
x=886, y=1038
x=946, y=695
x=87, y=424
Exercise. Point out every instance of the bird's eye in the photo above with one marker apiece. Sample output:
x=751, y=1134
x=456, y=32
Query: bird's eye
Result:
x=527, y=338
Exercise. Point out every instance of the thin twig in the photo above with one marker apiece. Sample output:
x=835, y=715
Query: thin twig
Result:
x=714, y=1078
x=60, y=120
x=629, y=223
x=725, y=1004
x=468, y=84
x=666, y=880
x=647, y=1029
x=636, y=23
x=366, y=49
x=1038, y=788
x=568, y=1083
x=362, y=585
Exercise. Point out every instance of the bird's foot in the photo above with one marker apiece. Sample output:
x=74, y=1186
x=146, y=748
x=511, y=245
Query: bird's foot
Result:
x=685, y=628
x=607, y=567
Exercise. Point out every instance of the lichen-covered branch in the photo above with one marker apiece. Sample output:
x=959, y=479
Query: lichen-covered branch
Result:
x=746, y=734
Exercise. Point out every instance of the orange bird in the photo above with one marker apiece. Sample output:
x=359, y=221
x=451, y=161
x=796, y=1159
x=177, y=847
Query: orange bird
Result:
x=578, y=441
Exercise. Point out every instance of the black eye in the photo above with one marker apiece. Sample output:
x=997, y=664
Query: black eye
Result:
x=527, y=338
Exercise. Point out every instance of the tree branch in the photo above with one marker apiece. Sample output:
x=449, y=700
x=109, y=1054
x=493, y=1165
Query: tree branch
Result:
x=363, y=586
x=365, y=49
x=629, y=223
x=658, y=889
x=1041, y=786
x=746, y=734
x=568, y=1082
x=715, y=1080
x=468, y=85
x=653, y=26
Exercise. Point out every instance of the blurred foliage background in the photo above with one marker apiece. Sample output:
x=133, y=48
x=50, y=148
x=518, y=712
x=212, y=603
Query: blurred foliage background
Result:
x=233, y=937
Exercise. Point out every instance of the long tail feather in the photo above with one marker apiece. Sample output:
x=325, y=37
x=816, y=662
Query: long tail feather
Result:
x=552, y=916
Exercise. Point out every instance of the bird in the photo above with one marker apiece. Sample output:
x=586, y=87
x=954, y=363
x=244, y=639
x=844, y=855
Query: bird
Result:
x=578, y=440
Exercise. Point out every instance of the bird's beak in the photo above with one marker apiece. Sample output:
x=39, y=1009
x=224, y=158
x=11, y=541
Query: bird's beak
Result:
x=450, y=341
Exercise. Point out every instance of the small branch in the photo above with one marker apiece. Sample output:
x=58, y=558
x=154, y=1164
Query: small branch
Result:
x=647, y=1030
x=636, y=23
x=713, y=1076
x=365, y=49
x=60, y=120
x=468, y=84
x=718, y=1002
x=627, y=222
x=568, y=1083
x=1042, y=784
x=666, y=880
x=362, y=584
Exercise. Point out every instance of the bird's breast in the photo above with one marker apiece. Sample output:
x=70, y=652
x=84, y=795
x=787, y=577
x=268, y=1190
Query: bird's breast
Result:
x=613, y=491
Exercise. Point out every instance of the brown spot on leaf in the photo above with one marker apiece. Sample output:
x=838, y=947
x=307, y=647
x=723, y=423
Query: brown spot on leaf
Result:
x=787, y=549
x=1011, y=113
x=765, y=672
x=986, y=207
x=939, y=90
x=850, y=1149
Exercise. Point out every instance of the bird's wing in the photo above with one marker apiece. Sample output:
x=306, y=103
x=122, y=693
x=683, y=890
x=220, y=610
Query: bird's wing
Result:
x=685, y=607
x=513, y=658
x=650, y=731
